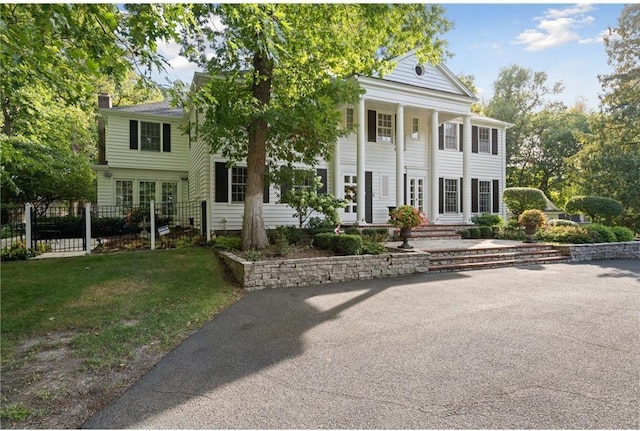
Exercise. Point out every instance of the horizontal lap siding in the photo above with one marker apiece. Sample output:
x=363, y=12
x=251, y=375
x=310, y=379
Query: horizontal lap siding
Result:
x=119, y=155
x=488, y=167
x=432, y=78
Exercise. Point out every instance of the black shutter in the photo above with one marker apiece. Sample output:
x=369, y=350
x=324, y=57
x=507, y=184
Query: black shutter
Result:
x=322, y=173
x=372, y=126
x=166, y=137
x=222, y=182
x=461, y=137
x=265, y=191
x=494, y=141
x=474, y=139
x=461, y=188
x=496, y=196
x=474, y=195
x=441, y=137
x=368, y=196
x=404, y=199
x=133, y=134
x=441, y=195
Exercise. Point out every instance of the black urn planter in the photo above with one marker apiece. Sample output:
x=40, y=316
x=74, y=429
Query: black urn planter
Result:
x=405, y=233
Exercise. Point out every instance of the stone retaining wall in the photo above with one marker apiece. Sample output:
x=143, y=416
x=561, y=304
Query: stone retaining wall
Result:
x=601, y=251
x=306, y=272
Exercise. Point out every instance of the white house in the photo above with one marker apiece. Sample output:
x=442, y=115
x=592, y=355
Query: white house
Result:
x=415, y=142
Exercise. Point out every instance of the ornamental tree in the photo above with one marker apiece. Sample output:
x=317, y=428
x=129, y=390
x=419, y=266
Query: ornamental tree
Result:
x=520, y=199
x=596, y=207
x=280, y=74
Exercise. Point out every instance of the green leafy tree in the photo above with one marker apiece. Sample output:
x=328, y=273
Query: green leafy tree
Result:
x=280, y=75
x=520, y=199
x=609, y=163
x=599, y=209
x=518, y=94
x=469, y=82
x=303, y=195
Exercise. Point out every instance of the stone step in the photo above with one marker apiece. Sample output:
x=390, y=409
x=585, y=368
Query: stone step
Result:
x=521, y=248
x=492, y=257
x=498, y=264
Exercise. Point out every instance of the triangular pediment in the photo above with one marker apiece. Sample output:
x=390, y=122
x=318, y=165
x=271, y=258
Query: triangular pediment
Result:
x=427, y=76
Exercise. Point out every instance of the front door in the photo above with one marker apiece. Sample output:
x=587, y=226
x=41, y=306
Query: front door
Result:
x=416, y=192
x=350, y=195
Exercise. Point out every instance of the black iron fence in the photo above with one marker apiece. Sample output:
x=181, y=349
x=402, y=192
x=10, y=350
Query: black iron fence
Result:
x=64, y=228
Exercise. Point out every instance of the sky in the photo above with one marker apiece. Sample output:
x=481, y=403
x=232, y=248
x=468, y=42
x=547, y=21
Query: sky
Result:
x=563, y=40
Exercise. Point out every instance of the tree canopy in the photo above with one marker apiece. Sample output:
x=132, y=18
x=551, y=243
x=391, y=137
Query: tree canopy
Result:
x=281, y=73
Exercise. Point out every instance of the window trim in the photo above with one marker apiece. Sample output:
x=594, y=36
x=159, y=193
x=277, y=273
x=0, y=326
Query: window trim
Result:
x=133, y=193
x=456, y=127
x=231, y=184
x=349, y=124
x=159, y=137
x=488, y=195
x=446, y=197
x=390, y=127
x=415, y=128
x=482, y=141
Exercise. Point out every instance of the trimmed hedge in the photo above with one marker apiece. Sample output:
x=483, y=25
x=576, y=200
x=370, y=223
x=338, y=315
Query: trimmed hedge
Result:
x=600, y=233
x=520, y=199
x=486, y=219
x=564, y=234
x=596, y=207
x=560, y=222
x=343, y=244
x=486, y=232
x=474, y=232
x=623, y=234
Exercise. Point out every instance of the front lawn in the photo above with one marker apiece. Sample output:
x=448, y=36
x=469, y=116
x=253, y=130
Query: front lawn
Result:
x=105, y=308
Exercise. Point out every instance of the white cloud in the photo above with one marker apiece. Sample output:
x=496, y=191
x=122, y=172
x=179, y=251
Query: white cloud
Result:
x=557, y=27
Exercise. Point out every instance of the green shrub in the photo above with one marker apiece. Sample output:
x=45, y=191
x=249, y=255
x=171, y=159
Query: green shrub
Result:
x=347, y=244
x=291, y=233
x=323, y=240
x=564, y=234
x=520, y=199
x=465, y=234
x=377, y=234
x=372, y=247
x=227, y=242
x=560, y=222
x=623, y=234
x=596, y=207
x=485, y=231
x=352, y=230
x=474, y=232
x=319, y=225
x=486, y=219
x=17, y=251
x=512, y=233
x=600, y=233
x=107, y=226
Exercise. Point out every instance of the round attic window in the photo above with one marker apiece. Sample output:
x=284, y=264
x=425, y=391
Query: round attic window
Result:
x=419, y=70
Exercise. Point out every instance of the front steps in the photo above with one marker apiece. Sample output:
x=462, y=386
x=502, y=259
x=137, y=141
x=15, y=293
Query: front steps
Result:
x=448, y=260
x=436, y=231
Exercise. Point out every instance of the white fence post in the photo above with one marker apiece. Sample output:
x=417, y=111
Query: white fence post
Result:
x=27, y=224
x=87, y=224
x=153, y=225
x=208, y=216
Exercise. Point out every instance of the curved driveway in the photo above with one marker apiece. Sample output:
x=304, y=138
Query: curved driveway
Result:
x=553, y=346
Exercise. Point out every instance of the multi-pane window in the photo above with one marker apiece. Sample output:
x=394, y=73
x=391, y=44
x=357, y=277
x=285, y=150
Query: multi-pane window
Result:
x=147, y=192
x=149, y=136
x=450, y=196
x=169, y=198
x=416, y=193
x=124, y=193
x=484, y=196
x=238, y=183
x=415, y=128
x=450, y=136
x=484, y=139
x=349, y=118
x=385, y=129
x=350, y=194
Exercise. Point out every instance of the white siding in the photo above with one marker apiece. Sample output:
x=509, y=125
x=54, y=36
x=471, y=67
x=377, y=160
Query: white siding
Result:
x=433, y=78
x=119, y=155
x=199, y=167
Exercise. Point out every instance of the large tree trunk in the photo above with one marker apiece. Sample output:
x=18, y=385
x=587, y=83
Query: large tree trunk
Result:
x=254, y=233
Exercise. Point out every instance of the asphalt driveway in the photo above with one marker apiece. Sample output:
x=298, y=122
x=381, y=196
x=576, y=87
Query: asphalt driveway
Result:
x=555, y=346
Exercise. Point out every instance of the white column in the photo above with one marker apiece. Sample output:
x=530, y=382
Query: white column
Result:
x=152, y=214
x=466, y=170
x=399, y=155
x=335, y=170
x=87, y=221
x=434, y=166
x=360, y=196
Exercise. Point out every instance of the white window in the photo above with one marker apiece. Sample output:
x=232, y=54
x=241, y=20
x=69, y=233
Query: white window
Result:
x=124, y=193
x=450, y=136
x=147, y=192
x=350, y=193
x=385, y=129
x=238, y=183
x=349, y=118
x=150, y=136
x=484, y=196
x=484, y=139
x=415, y=128
x=169, y=198
x=416, y=192
x=450, y=196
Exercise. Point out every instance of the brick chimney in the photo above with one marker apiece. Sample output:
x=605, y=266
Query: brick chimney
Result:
x=104, y=101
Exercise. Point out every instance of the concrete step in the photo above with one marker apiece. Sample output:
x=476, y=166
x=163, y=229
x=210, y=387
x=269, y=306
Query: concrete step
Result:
x=492, y=257
x=529, y=248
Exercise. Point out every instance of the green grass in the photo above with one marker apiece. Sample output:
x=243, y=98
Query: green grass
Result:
x=113, y=302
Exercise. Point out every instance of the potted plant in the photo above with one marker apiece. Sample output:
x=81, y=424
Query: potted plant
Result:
x=532, y=220
x=406, y=218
